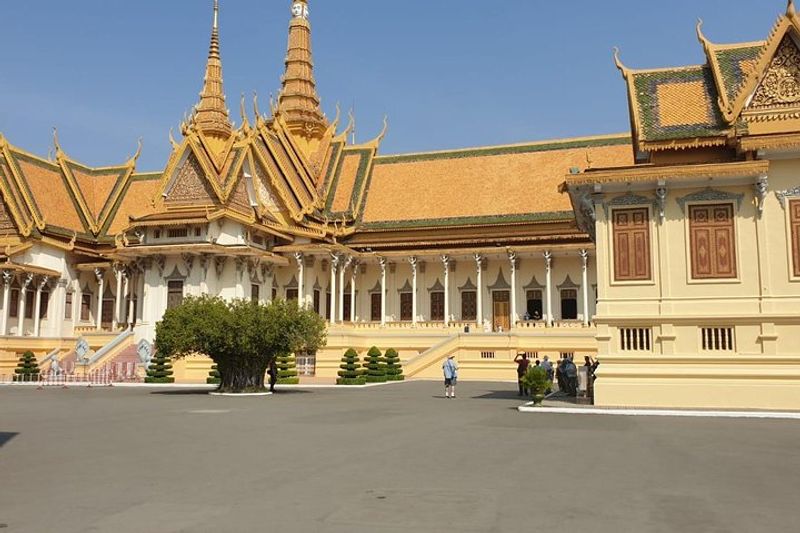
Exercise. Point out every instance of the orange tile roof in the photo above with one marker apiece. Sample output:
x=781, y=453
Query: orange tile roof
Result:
x=51, y=194
x=346, y=182
x=96, y=186
x=484, y=182
x=137, y=201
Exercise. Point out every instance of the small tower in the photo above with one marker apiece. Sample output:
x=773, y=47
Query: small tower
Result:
x=299, y=104
x=211, y=117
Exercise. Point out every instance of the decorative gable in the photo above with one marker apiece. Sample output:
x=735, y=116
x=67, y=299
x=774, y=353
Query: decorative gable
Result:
x=7, y=225
x=189, y=183
x=780, y=85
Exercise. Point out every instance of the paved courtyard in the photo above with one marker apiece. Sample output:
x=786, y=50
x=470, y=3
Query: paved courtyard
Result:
x=386, y=459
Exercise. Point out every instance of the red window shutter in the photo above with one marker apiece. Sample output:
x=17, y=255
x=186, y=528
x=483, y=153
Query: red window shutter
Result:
x=794, y=215
x=712, y=241
x=631, y=231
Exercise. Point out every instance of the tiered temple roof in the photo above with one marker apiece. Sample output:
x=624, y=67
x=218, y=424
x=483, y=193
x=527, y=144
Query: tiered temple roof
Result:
x=293, y=174
x=743, y=90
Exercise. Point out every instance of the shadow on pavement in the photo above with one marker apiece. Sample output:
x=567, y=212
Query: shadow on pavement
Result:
x=510, y=394
x=5, y=437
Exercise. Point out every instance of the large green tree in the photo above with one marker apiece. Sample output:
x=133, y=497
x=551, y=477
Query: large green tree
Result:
x=241, y=337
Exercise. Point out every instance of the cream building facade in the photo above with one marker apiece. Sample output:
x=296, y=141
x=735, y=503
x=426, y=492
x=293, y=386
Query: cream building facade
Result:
x=477, y=252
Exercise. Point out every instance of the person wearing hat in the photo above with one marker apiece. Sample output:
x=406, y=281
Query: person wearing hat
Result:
x=522, y=368
x=450, y=370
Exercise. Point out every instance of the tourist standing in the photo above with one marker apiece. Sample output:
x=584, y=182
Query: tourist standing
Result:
x=450, y=370
x=548, y=367
x=522, y=368
x=273, y=373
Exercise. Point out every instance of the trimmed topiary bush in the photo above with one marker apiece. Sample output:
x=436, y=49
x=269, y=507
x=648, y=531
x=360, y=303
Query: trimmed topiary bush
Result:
x=160, y=370
x=27, y=368
x=350, y=373
x=287, y=370
x=213, y=376
x=394, y=369
x=376, y=368
x=538, y=383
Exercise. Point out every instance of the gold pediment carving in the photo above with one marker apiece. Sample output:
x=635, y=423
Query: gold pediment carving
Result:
x=780, y=86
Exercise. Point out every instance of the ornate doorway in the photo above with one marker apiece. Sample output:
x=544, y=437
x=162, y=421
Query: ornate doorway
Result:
x=501, y=304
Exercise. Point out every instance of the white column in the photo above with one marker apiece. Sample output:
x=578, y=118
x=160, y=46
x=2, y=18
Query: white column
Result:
x=301, y=272
x=132, y=295
x=585, y=286
x=353, y=292
x=446, y=264
x=414, y=262
x=8, y=277
x=101, y=284
x=126, y=291
x=117, y=297
x=271, y=278
x=383, y=290
x=479, y=284
x=334, y=264
x=345, y=263
x=21, y=308
x=37, y=321
x=548, y=265
x=512, y=258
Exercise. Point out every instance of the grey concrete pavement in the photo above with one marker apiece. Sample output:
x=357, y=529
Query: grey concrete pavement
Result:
x=387, y=459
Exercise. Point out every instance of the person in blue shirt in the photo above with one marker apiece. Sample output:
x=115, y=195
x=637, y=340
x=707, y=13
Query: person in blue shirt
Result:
x=450, y=370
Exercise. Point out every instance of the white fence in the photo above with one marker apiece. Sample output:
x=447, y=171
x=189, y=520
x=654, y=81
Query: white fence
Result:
x=104, y=376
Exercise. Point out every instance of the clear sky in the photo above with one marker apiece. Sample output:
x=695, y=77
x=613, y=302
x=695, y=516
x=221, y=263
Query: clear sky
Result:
x=448, y=73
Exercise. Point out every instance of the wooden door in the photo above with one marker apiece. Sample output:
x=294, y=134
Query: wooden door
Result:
x=406, y=307
x=501, y=301
x=375, y=307
x=437, y=306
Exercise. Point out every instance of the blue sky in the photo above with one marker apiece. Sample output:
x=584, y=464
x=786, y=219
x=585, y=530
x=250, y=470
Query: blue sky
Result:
x=448, y=73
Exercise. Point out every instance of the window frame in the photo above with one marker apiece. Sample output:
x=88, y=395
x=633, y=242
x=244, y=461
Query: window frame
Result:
x=793, y=234
x=612, y=246
x=690, y=270
x=464, y=316
x=171, y=291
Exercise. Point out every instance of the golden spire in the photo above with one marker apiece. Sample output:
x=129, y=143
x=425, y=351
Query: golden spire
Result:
x=211, y=114
x=298, y=103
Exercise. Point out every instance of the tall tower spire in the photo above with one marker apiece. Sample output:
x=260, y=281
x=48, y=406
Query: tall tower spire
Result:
x=211, y=116
x=299, y=104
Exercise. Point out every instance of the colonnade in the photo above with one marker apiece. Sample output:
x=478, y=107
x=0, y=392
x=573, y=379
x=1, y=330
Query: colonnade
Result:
x=340, y=264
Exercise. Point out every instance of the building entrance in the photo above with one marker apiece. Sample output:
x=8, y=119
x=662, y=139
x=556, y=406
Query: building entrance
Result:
x=501, y=303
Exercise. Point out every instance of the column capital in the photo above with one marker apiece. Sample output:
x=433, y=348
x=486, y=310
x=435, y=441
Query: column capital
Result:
x=335, y=258
x=8, y=277
x=298, y=256
x=349, y=260
x=99, y=273
x=27, y=279
x=512, y=258
x=42, y=283
x=414, y=261
x=383, y=262
x=446, y=260
x=584, y=257
x=479, y=261
x=548, y=259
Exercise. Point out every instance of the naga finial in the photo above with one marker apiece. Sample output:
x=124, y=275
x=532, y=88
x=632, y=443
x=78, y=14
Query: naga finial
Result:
x=790, y=9
x=618, y=62
x=57, y=145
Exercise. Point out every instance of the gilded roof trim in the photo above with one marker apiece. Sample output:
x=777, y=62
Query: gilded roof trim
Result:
x=647, y=173
x=551, y=216
x=543, y=146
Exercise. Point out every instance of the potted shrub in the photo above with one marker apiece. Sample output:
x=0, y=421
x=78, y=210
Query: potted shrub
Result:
x=350, y=373
x=376, y=369
x=287, y=370
x=394, y=370
x=160, y=370
x=27, y=368
x=537, y=382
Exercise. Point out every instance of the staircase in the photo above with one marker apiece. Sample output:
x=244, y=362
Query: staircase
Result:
x=435, y=354
x=120, y=346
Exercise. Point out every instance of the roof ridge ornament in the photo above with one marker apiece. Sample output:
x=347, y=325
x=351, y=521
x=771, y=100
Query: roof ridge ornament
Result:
x=790, y=9
x=618, y=62
x=211, y=114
